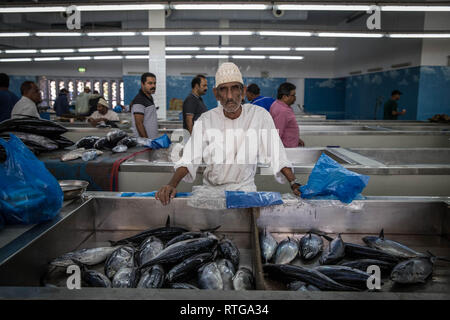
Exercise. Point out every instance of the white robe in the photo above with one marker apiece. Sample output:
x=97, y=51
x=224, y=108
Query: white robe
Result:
x=234, y=174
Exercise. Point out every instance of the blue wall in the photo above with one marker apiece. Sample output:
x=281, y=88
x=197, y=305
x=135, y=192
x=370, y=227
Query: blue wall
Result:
x=325, y=96
x=16, y=81
x=434, y=92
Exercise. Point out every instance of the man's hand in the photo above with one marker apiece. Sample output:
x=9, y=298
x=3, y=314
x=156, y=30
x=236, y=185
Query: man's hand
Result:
x=295, y=189
x=403, y=111
x=165, y=194
x=301, y=143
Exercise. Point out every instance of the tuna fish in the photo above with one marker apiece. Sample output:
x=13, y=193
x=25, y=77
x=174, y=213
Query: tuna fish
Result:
x=362, y=252
x=188, y=268
x=152, y=277
x=268, y=245
x=229, y=251
x=88, y=257
x=392, y=247
x=128, y=141
x=149, y=249
x=310, y=246
x=182, y=286
x=120, y=258
x=243, y=279
x=209, y=277
x=94, y=278
x=286, y=251
x=345, y=275
x=336, y=251
x=114, y=136
x=415, y=270
x=193, y=235
x=363, y=264
x=72, y=155
x=87, y=142
x=301, y=286
x=227, y=271
x=126, y=278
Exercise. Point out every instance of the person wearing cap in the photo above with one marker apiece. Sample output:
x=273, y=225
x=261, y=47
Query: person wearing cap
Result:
x=390, y=107
x=255, y=98
x=225, y=131
x=103, y=113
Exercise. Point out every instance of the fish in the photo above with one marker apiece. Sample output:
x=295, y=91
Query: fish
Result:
x=415, y=270
x=289, y=273
x=188, y=268
x=33, y=125
x=178, y=285
x=114, y=136
x=87, y=142
x=227, y=271
x=88, y=257
x=36, y=141
x=286, y=251
x=301, y=286
x=310, y=246
x=126, y=277
x=92, y=278
x=130, y=142
x=229, y=251
x=336, y=251
x=182, y=250
x=164, y=233
x=72, y=155
x=357, y=251
x=119, y=149
x=363, y=264
x=148, y=249
x=391, y=247
x=152, y=277
x=193, y=235
x=63, y=142
x=103, y=143
x=120, y=258
x=268, y=245
x=345, y=275
x=243, y=279
x=209, y=277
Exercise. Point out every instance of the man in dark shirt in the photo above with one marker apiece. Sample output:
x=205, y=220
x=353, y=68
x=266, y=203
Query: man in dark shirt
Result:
x=193, y=105
x=390, y=107
x=7, y=98
x=61, y=105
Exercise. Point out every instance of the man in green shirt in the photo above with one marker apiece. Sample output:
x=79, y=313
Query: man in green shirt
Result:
x=390, y=107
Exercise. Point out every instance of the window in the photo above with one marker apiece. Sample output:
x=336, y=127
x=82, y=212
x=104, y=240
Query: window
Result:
x=71, y=90
x=80, y=87
x=52, y=93
x=122, y=97
x=106, y=90
x=114, y=93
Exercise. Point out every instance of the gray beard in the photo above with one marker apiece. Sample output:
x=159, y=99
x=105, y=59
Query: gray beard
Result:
x=232, y=110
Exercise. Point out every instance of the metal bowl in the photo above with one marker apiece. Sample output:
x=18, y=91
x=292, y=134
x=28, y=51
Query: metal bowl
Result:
x=73, y=188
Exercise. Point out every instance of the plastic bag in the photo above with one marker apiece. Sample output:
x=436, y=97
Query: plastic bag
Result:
x=152, y=194
x=28, y=191
x=242, y=199
x=160, y=142
x=330, y=178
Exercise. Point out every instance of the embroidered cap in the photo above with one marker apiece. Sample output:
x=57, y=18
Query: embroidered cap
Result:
x=228, y=72
x=103, y=102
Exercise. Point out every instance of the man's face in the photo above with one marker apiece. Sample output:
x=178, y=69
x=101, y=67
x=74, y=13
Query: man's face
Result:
x=149, y=86
x=250, y=96
x=230, y=95
x=396, y=97
x=34, y=94
x=291, y=98
x=203, y=87
x=102, y=109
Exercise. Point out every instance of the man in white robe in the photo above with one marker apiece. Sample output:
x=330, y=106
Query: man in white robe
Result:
x=231, y=140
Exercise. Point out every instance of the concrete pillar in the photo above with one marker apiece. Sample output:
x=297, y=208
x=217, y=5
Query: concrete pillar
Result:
x=157, y=59
x=225, y=40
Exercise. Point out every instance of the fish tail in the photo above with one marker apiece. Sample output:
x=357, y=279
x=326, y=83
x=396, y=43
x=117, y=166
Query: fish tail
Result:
x=168, y=221
x=211, y=229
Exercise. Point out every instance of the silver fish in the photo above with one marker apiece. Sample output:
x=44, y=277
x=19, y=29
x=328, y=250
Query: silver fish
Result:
x=152, y=277
x=310, y=246
x=209, y=277
x=94, y=278
x=227, y=272
x=415, y=270
x=119, y=148
x=120, y=258
x=336, y=251
x=391, y=247
x=72, y=155
x=268, y=245
x=149, y=249
x=125, y=278
x=243, y=279
x=88, y=257
x=286, y=251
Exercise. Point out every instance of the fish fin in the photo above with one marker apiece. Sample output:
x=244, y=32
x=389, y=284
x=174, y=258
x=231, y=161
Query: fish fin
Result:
x=168, y=221
x=381, y=236
x=211, y=229
x=434, y=258
x=327, y=237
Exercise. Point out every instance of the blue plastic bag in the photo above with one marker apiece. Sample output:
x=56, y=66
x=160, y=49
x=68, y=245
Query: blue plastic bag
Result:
x=28, y=191
x=152, y=194
x=160, y=142
x=330, y=178
x=242, y=199
x=117, y=109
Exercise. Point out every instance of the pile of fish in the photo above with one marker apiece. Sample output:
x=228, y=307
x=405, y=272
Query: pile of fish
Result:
x=342, y=266
x=38, y=135
x=166, y=257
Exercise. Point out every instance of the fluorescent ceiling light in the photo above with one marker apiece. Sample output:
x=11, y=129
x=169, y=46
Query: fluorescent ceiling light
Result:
x=270, y=49
x=226, y=33
x=58, y=34
x=95, y=49
x=111, y=34
x=15, y=59
x=34, y=8
x=15, y=34
x=108, y=57
x=286, y=57
x=350, y=35
x=225, y=49
x=57, y=50
x=122, y=7
x=77, y=58
x=133, y=49
x=182, y=48
x=285, y=33
x=167, y=33
x=248, y=57
x=47, y=59
x=419, y=35
x=415, y=8
x=180, y=56
x=316, y=49
x=212, y=57
x=241, y=6
x=136, y=57
x=21, y=51
x=323, y=7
